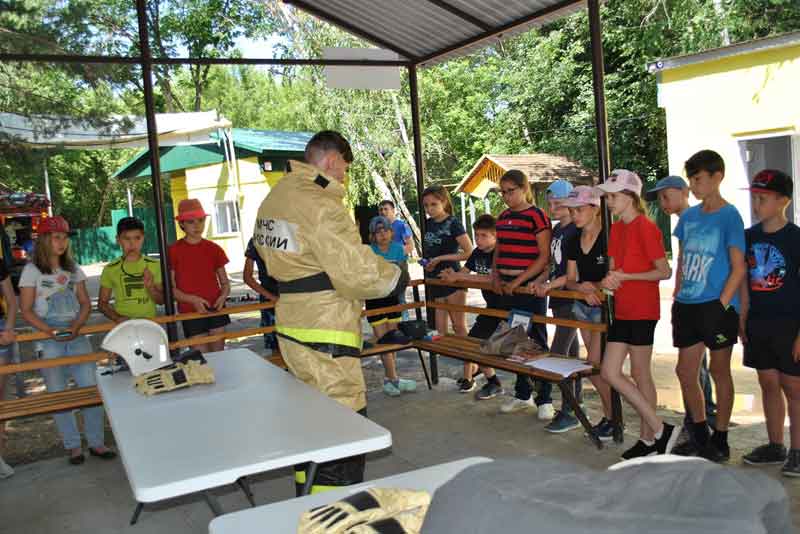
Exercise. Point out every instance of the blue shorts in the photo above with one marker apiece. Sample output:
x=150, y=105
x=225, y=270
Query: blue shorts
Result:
x=588, y=314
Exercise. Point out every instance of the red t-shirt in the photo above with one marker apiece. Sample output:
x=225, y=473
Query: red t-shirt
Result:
x=195, y=267
x=635, y=247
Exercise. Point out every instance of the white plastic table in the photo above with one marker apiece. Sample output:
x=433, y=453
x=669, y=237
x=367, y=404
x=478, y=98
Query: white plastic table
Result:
x=283, y=517
x=256, y=417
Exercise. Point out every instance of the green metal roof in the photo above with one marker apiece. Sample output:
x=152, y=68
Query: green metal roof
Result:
x=247, y=142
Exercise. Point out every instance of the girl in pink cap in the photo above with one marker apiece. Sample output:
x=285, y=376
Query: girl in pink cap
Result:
x=637, y=262
x=586, y=268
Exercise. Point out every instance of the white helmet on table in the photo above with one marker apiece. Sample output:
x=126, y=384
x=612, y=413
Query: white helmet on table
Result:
x=143, y=345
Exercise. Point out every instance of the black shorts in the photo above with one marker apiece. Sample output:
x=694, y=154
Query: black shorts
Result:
x=440, y=292
x=707, y=322
x=484, y=326
x=640, y=333
x=770, y=343
x=203, y=325
x=385, y=302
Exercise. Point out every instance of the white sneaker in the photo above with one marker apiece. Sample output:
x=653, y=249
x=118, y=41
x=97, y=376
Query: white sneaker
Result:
x=546, y=412
x=515, y=405
x=5, y=469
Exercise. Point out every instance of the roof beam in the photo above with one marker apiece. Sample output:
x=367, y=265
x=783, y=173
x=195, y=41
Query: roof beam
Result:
x=463, y=15
x=350, y=28
x=498, y=31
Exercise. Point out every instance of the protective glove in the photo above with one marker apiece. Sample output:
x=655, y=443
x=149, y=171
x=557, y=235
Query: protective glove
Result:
x=363, y=507
x=176, y=376
x=405, y=522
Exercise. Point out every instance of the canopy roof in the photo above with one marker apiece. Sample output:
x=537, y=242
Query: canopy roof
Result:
x=247, y=142
x=540, y=168
x=428, y=32
x=117, y=132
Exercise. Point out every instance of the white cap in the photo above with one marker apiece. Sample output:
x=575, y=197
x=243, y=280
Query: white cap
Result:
x=622, y=180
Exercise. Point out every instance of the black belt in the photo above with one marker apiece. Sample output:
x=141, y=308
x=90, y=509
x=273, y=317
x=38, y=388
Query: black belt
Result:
x=309, y=284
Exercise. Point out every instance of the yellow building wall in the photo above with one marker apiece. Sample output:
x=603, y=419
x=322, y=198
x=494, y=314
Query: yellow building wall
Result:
x=211, y=184
x=719, y=104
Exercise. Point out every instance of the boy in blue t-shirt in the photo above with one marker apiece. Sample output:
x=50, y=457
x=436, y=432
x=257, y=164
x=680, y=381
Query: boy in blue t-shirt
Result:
x=380, y=234
x=770, y=316
x=480, y=263
x=706, y=310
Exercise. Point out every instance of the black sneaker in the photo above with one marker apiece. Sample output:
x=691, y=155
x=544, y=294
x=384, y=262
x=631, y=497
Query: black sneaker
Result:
x=604, y=430
x=792, y=466
x=714, y=453
x=769, y=454
x=465, y=386
x=639, y=450
x=669, y=436
x=489, y=391
x=687, y=448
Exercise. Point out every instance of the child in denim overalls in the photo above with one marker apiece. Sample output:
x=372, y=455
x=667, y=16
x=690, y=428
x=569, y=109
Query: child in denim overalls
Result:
x=54, y=300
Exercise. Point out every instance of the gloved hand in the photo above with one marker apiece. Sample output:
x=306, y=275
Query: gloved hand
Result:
x=364, y=507
x=174, y=377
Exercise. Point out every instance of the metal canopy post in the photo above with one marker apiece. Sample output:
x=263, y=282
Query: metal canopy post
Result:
x=419, y=167
x=604, y=161
x=152, y=142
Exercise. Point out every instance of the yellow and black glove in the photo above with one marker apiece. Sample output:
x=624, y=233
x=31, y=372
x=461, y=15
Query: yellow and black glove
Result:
x=176, y=376
x=367, y=507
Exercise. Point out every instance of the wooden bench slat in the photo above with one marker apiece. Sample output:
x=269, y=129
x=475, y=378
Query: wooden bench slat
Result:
x=42, y=403
x=466, y=348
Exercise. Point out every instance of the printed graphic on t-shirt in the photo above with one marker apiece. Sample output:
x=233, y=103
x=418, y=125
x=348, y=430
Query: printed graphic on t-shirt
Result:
x=480, y=262
x=767, y=267
x=698, y=256
x=555, y=250
x=438, y=235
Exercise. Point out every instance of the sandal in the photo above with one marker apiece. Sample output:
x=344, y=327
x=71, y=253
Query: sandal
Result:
x=107, y=454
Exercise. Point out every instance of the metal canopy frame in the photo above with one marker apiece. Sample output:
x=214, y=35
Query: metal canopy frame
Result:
x=409, y=61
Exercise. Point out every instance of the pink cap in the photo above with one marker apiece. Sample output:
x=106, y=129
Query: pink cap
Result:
x=190, y=208
x=622, y=180
x=53, y=224
x=583, y=195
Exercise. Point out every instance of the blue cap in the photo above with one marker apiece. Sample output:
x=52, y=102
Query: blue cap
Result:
x=674, y=182
x=378, y=222
x=559, y=189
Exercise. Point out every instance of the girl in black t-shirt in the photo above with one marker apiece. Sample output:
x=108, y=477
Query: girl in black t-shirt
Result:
x=445, y=245
x=586, y=267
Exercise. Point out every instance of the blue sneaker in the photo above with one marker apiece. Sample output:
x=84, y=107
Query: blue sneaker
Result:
x=562, y=422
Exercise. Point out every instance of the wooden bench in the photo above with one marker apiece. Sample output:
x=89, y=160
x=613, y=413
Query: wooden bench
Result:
x=44, y=403
x=468, y=349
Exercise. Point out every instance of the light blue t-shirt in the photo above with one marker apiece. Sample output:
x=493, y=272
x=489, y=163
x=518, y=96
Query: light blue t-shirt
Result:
x=395, y=254
x=705, y=239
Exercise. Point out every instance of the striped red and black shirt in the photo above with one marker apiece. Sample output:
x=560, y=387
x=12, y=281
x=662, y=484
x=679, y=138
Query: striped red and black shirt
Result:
x=517, y=248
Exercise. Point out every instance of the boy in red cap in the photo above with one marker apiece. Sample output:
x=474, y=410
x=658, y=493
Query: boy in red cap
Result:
x=199, y=280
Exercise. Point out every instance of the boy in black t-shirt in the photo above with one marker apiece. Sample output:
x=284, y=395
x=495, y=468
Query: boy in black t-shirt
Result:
x=770, y=317
x=267, y=289
x=480, y=263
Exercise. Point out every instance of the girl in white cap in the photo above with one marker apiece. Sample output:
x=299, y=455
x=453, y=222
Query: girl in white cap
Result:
x=637, y=262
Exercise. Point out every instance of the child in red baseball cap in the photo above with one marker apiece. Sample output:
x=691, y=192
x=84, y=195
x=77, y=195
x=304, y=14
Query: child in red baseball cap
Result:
x=199, y=279
x=53, y=299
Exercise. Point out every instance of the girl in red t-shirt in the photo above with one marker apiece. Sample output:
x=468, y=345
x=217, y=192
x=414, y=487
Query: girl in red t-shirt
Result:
x=636, y=264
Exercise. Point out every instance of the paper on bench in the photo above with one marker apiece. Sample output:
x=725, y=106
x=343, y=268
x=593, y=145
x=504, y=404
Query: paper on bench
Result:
x=560, y=366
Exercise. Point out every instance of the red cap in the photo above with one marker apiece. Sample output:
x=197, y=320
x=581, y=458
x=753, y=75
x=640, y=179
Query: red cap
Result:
x=190, y=208
x=53, y=224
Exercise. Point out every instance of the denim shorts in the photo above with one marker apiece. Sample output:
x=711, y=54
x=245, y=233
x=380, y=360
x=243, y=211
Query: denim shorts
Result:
x=588, y=314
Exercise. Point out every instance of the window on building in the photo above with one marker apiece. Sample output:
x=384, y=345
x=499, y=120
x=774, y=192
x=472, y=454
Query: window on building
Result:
x=226, y=217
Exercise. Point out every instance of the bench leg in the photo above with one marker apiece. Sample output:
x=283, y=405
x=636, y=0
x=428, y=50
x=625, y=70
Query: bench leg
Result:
x=136, y=512
x=213, y=503
x=245, y=485
x=434, y=363
x=311, y=474
x=424, y=369
x=616, y=416
x=567, y=392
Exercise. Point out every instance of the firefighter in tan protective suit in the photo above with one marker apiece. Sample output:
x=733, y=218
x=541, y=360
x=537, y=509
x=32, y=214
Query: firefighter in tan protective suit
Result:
x=313, y=248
